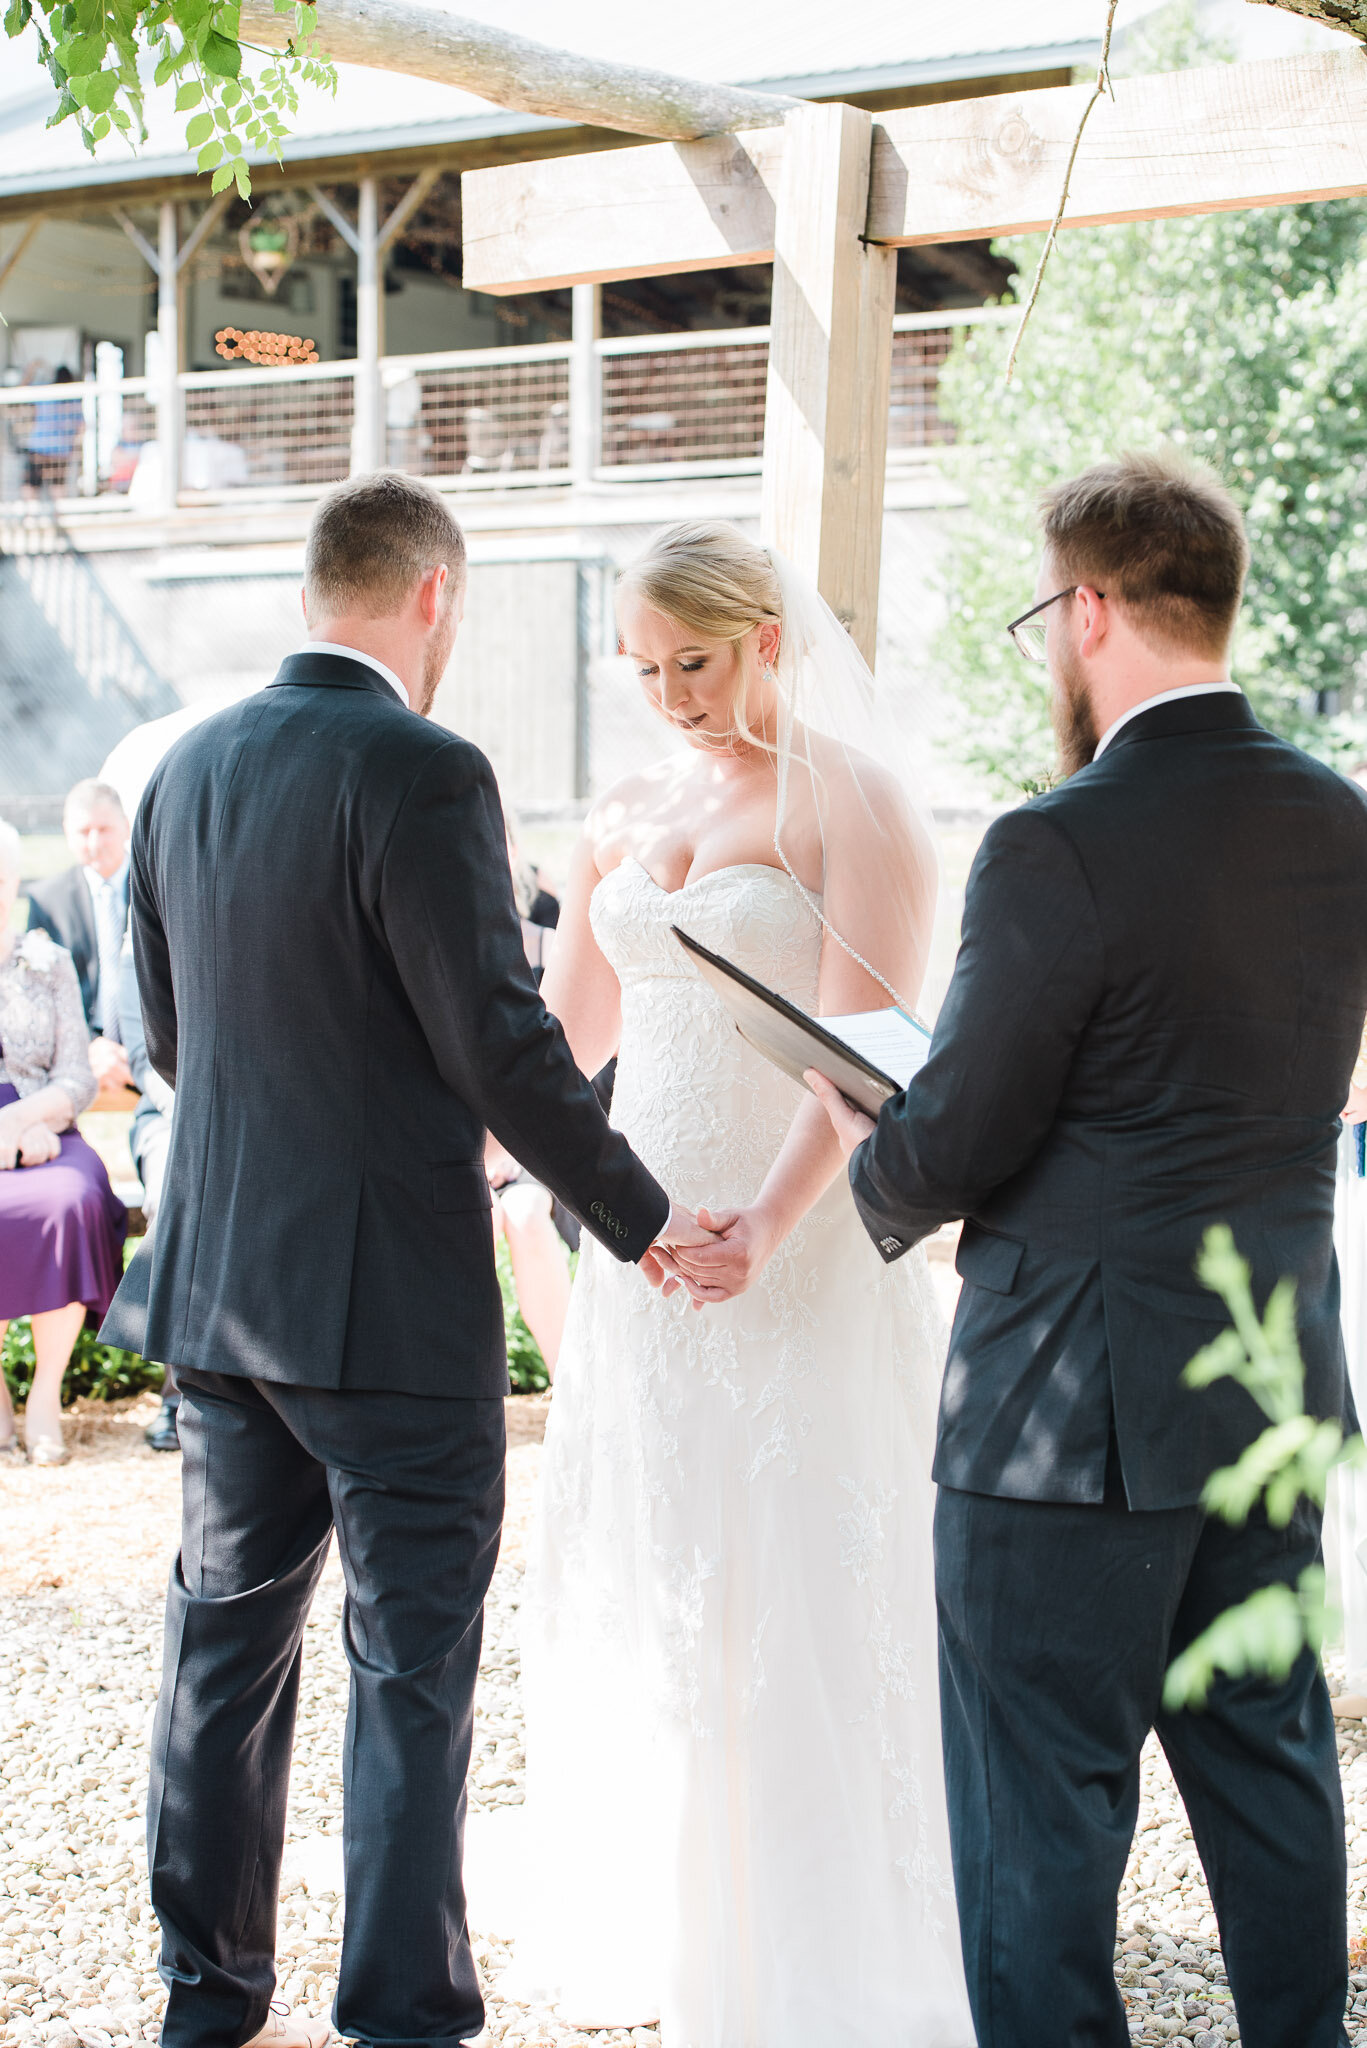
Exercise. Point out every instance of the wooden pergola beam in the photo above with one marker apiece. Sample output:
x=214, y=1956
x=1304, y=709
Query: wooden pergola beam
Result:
x=1186, y=142
x=1227, y=136
x=631, y=213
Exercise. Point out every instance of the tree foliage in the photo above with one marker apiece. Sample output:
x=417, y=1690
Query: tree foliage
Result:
x=1241, y=337
x=99, y=53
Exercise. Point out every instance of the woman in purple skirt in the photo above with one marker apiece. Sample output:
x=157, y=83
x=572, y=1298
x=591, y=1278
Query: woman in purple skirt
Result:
x=61, y=1225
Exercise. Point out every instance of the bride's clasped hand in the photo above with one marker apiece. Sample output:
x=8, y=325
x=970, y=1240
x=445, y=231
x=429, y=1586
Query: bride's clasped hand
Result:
x=732, y=1249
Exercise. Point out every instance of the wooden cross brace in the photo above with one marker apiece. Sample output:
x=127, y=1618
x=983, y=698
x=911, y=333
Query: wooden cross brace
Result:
x=833, y=194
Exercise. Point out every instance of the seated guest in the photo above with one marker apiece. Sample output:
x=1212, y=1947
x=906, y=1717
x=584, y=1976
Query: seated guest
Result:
x=85, y=909
x=61, y=1224
x=525, y=1214
x=149, y=1141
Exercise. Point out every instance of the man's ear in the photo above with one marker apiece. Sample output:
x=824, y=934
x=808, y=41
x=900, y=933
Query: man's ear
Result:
x=430, y=593
x=1093, y=620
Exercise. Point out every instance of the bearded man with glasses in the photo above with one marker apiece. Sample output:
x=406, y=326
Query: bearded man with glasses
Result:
x=1151, y=1029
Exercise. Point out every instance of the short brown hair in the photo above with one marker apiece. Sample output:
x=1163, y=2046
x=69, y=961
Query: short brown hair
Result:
x=1163, y=535
x=371, y=539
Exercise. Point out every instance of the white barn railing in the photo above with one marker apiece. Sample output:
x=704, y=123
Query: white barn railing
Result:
x=662, y=406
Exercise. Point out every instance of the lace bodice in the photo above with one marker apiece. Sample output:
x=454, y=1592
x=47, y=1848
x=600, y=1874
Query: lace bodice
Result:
x=705, y=1111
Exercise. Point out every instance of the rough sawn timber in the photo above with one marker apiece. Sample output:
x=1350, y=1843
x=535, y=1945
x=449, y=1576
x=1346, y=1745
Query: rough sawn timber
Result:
x=830, y=366
x=622, y=213
x=1228, y=136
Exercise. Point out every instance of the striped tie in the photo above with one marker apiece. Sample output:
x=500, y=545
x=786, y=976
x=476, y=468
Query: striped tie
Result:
x=109, y=930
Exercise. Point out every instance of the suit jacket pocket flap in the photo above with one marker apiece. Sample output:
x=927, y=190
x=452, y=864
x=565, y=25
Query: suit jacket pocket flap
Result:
x=987, y=1260
x=459, y=1186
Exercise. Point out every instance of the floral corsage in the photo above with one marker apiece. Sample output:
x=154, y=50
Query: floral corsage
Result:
x=37, y=951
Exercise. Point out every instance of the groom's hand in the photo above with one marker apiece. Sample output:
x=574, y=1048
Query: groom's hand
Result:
x=658, y=1264
x=851, y=1126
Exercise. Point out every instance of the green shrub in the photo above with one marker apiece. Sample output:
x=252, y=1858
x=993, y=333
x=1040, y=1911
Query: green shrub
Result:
x=1290, y=1461
x=526, y=1366
x=108, y=1374
x=100, y=1370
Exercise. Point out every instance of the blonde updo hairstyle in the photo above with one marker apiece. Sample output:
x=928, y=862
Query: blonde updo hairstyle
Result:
x=706, y=577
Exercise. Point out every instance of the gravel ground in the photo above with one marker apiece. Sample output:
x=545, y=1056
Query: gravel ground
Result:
x=83, y=1557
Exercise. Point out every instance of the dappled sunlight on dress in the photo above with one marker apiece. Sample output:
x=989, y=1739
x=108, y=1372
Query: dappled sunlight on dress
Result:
x=735, y=1811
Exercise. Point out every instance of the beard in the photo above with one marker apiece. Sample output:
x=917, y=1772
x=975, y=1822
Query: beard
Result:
x=434, y=662
x=1071, y=713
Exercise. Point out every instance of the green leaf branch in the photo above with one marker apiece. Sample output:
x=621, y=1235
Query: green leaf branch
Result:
x=1290, y=1462
x=91, y=49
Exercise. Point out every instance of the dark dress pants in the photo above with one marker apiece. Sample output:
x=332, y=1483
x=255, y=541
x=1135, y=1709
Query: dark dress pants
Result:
x=1057, y=1624
x=414, y=1489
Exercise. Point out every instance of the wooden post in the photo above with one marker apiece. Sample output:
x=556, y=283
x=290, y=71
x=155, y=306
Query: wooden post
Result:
x=368, y=434
x=830, y=366
x=169, y=421
x=586, y=383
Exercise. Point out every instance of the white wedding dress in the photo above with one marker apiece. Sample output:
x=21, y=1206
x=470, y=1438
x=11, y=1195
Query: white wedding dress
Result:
x=735, y=1808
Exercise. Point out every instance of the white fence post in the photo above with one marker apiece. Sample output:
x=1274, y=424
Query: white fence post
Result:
x=169, y=417
x=368, y=450
x=586, y=382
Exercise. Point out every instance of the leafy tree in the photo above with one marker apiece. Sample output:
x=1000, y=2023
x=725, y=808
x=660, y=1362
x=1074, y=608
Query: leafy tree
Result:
x=1240, y=336
x=93, y=50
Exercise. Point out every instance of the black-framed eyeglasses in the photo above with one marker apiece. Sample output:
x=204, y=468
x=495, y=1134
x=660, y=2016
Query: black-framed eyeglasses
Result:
x=1030, y=637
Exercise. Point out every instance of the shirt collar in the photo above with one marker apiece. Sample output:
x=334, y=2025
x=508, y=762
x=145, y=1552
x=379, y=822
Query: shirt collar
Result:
x=1152, y=703
x=355, y=654
x=97, y=884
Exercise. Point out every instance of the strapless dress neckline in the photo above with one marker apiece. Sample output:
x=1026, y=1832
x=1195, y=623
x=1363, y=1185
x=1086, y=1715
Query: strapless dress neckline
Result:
x=743, y=867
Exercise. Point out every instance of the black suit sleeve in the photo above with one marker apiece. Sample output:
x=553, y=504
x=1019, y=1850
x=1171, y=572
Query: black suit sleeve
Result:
x=448, y=913
x=1027, y=979
x=40, y=919
x=151, y=954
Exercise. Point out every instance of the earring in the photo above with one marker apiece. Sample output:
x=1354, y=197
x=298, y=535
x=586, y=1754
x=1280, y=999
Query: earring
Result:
x=768, y=671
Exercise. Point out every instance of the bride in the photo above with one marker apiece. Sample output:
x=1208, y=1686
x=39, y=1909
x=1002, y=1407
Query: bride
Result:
x=735, y=1815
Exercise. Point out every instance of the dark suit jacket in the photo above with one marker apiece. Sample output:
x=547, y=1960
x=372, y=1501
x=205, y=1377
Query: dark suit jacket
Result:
x=62, y=908
x=1151, y=1028
x=334, y=982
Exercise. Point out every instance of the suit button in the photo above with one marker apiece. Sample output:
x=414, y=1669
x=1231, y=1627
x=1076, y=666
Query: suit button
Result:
x=890, y=1244
x=597, y=1210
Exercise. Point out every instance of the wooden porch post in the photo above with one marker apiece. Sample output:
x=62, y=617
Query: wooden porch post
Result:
x=170, y=422
x=368, y=440
x=586, y=382
x=830, y=367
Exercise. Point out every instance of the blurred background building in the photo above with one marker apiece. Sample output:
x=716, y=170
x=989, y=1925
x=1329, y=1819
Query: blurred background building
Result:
x=227, y=362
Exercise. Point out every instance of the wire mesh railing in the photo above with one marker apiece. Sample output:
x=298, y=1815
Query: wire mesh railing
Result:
x=690, y=403
x=495, y=413
x=914, y=420
x=696, y=399
x=69, y=440
x=267, y=430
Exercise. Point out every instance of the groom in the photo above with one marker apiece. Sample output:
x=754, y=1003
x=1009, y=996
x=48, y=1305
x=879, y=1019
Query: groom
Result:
x=1150, y=1029
x=333, y=980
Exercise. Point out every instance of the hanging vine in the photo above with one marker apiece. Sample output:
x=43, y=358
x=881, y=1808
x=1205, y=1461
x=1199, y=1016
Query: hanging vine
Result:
x=91, y=49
